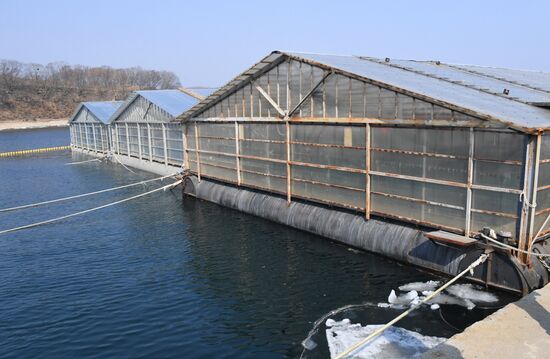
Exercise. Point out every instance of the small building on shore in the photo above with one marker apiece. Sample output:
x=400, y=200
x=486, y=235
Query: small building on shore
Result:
x=89, y=125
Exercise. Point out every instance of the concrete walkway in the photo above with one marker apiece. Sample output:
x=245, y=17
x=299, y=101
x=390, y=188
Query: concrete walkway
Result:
x=519, y=330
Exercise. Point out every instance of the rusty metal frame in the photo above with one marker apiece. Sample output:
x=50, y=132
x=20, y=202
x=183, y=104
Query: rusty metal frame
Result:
x=469, y=185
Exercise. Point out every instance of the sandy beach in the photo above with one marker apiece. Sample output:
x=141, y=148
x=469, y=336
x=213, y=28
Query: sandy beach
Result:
x=40, y=123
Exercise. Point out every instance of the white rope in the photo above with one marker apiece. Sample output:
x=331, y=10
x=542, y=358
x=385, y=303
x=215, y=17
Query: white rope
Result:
x=123, y=165
x=539, y=232
x=77, y=163
x=89, y=210
x=81, y=195
x=377, y=332
x=502, y=245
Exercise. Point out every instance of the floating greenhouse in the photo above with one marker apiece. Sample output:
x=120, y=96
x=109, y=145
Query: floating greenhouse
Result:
x=408, y=159
x=89, y=125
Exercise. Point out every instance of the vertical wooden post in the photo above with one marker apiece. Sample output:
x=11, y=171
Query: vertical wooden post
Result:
x=164, y=144
x=94, y=137
x=127, y=139
x=139, y=139
x=86, y=133
x=83, y=138
x=117, y=139
x=367, y=168
x=468, y=219
x=197, y=151
x=185, y=146
x=237, y=153
x=288, y=169
x=150, y=143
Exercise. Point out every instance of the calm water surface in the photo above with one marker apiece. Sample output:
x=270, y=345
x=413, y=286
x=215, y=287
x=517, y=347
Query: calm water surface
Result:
x=166, y=277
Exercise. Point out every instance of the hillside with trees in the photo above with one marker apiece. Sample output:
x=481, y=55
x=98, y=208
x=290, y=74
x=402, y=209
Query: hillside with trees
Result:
x=30, y=92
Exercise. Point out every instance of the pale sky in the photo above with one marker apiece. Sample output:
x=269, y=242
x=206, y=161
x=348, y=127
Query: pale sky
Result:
x=208, y=43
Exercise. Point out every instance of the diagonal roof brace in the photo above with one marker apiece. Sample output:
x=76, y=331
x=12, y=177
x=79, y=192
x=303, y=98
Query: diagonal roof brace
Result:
x=308, y=95
x=271, y=101
x=283, y=113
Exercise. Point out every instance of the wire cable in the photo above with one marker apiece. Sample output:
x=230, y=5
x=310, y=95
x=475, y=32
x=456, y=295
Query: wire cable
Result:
x=81, y=195
x=90, y=210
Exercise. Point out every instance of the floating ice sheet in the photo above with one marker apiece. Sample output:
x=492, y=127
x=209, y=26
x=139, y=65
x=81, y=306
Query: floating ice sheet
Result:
x=430, y=285
x=471, y=292
x=393, y=343
x=465, y=295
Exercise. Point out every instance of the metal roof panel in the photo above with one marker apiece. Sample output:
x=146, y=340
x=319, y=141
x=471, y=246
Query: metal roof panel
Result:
x=174, y=102
x=513, y=113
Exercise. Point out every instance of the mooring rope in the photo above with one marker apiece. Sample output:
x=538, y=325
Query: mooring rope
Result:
x=82, y=195
x=379, y=331
x=123, y=165
x=77, y=163
x=503, y=245
x=89, y=210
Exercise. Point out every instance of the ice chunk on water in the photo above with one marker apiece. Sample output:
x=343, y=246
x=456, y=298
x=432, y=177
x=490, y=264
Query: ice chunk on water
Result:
x=403, y=299
x=309, y=344
x=430, y=285
x=449, y=299
x=472, y=293
x=434, y=306
x=393, y=343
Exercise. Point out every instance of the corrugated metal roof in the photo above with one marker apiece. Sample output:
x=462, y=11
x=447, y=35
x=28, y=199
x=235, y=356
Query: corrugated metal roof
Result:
x=479, y=94
x=174, y=102
x=468, y=78
x=101, y=110
x=513, y=113
x=533, y=79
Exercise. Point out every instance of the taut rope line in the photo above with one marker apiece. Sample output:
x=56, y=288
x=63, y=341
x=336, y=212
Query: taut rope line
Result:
x=81, y=195
x=163, y=188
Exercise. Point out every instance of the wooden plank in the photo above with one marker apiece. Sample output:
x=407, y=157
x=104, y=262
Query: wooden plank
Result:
x=450, y=238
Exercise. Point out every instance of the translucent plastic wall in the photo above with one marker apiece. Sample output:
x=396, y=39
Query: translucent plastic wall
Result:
x=90, y=136
x=421, y=175
x=142, y=131
x=156, y=142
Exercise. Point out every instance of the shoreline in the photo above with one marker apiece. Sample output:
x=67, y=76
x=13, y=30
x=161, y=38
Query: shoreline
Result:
x=27, y=125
